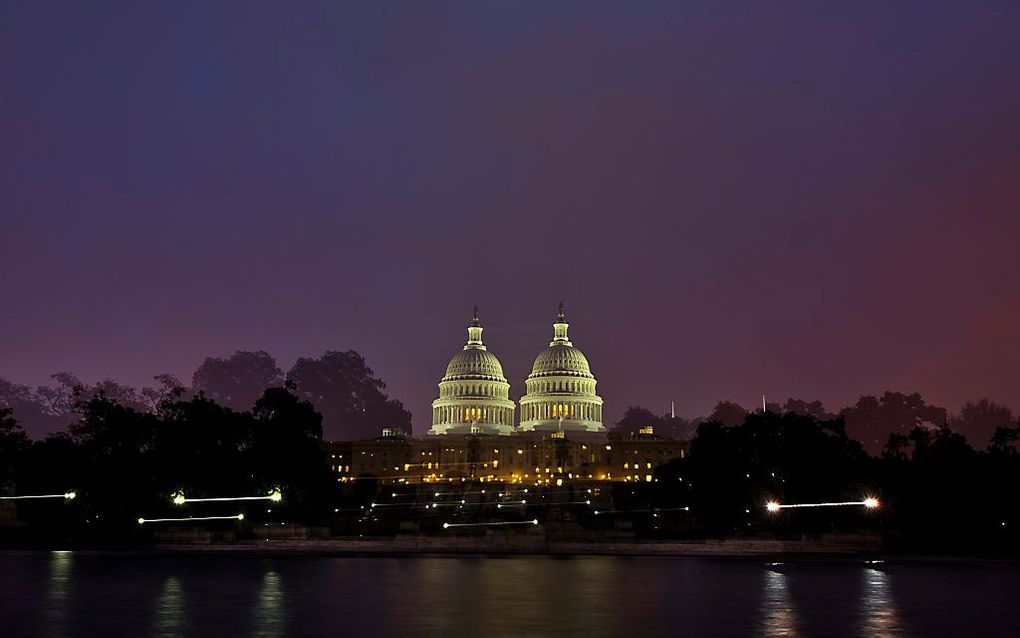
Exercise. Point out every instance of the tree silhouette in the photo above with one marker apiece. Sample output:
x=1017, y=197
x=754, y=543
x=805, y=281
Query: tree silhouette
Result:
x=347, y=393
x=727, y=413
x=169, y=389
x=13, y=443
x=238, y=381
x=978, y=421
x=871, y=419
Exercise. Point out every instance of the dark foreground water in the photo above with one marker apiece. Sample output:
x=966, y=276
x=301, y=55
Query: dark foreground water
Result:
x=125, y=595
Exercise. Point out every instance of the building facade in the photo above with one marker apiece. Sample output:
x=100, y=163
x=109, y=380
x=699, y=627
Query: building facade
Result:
x=528, y=458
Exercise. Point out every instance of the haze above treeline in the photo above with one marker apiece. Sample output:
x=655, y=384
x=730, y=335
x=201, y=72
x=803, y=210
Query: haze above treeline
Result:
x=354, y=402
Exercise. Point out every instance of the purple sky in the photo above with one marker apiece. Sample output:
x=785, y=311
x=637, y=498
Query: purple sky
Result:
x=804, y=199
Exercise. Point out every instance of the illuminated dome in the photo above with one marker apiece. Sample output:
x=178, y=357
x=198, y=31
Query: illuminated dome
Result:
x=561, y=359
x=474, y=363
x=474, y=394
x=561, y=388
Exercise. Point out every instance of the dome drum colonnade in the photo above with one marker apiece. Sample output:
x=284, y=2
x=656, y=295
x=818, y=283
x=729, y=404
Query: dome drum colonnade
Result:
x=560, y=391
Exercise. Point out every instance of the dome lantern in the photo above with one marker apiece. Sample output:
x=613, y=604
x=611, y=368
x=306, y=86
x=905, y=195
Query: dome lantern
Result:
x=560, y=329
x=475, y=333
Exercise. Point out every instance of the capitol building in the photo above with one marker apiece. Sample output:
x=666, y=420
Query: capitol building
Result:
x=553, y=436
x=559, y=397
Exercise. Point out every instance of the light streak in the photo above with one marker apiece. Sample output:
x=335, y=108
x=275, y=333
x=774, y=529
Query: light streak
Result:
x=437, y=494
x=454, y=504
x=143, y=521
x=70, y=496
x=449, y=525
x=509, y=503
x=644, y=511
x=870, y=503
x=275, y=496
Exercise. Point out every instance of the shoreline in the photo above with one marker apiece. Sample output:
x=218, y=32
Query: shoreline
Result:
x=784, y=552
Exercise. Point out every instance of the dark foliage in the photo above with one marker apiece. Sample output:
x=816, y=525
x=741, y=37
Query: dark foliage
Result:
x=239, y=380
x=348, y=395
x=124, y=463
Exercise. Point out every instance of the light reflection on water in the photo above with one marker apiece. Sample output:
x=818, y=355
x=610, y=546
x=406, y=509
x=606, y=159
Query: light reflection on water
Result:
x=58, y=593
x=122, y=595
x=170, y=609
x=879, y=613
x=778, y=615
x=270, y=617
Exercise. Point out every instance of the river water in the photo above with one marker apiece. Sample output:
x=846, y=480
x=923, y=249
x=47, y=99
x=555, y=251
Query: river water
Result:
x=126, y=595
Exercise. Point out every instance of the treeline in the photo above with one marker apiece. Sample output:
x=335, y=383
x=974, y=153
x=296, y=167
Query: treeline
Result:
x=339, y=384
x=124, y=463
x=871, y=420
x=936, y=492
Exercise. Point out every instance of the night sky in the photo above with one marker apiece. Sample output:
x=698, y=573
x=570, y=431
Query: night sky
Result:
x=807, y=199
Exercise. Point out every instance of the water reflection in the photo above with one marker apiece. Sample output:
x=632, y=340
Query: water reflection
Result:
x=778, y=615
x=879, y=614
x=96, y=594
x=170, y=609
x=58, y=593
x=270, y=616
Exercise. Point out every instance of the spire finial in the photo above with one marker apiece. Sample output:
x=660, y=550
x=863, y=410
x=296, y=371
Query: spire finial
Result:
x=474, y=317
x=561, y=317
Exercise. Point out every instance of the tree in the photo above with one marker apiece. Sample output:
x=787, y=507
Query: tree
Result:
x=896, y=447
x=813, y=409
x=26, y=407
x=238, y=381
x=669, y=426
x=871, y=419
x=169, y=389
x=1004, y=440
x=286, y=450
x=115, y=445
x=979, y=421
x=123, y=395
x=634, y=419
x=13, y=443
x=727, y=413
x=347, y=393
x=59, y=400
x=732, y=471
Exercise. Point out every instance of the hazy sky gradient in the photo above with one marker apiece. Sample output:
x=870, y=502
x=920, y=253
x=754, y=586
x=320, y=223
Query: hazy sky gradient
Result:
x=809, y=199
